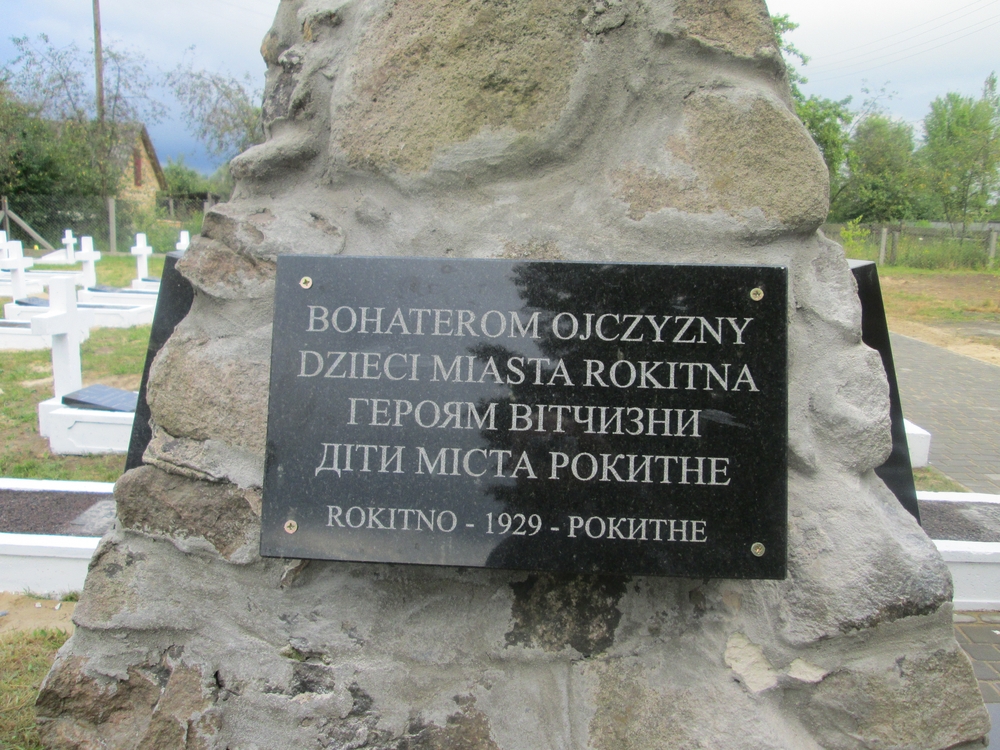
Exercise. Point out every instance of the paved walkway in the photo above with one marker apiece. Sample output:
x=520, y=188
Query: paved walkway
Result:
x=978, y=633
x=957, y=399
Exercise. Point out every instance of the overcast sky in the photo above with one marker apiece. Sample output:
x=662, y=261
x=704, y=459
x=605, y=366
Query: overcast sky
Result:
x=918, y=49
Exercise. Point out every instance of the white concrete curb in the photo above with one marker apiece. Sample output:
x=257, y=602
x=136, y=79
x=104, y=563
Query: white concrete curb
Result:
x=55, y=485
x=44, y=563
x=975, y=571
x=958, y=497
x=56, y=564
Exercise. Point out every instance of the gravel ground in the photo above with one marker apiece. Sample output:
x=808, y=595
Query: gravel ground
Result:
x=69, y=513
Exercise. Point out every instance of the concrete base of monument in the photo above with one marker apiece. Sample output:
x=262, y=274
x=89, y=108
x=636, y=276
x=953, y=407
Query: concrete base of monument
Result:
x=56, y=258
x=109, y=296
x=81, y=432
x=975, y=573
x=54, y=563
x=32, y=286
x=16, y=335
x=919, y=441
x=44, y=564
x=105, y=316
x=146, y=285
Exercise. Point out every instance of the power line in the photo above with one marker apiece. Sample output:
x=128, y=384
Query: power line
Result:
x=881, y=40
x=239, y=8
x=905, y=57
x=881, y=54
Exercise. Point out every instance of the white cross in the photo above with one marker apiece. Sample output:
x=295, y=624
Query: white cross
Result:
x=69, y=242
x=185, y=241
x=16, y=263
x=3, y=245
x=141, y=251
x=89, y=257
x=64, y=323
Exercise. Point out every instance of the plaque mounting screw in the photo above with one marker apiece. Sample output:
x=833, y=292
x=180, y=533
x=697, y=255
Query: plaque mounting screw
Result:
x=291, y=527
x=757, y=548
x=757, y=294
x=305, y=282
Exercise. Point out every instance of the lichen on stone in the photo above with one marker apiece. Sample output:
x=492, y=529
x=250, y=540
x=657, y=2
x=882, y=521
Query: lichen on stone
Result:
x=739, y=26
x=740, y=153
x=554, y=611
x=437, y=72
x=154, y=502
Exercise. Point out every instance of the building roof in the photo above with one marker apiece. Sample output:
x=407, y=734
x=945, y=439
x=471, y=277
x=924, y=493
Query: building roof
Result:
x=153, y=159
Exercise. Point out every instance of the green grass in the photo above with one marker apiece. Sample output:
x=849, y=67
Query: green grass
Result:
x=162, y=233
x=929, y=253
x=930, y=479
x=943, y=296
x=112, y=356
x=25, y=659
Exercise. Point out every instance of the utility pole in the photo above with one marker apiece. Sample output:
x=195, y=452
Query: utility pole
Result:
x=99, y=61
x=99, y=75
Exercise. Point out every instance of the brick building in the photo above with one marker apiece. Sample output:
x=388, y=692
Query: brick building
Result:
x=143, y=176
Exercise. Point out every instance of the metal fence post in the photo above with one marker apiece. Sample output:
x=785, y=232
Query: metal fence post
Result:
x=112, y=226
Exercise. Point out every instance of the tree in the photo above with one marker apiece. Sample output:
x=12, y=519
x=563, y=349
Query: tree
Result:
x=55, y=85
x=961, y=154
x=26, y=146
x=878, y=183
x=828, y=121
x=224, y=112
x=183, y=179
x=782, y=25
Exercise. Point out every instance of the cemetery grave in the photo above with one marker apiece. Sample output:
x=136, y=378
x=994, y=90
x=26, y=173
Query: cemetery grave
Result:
x=16, y=283
x=109, y=308
x=77, y=420
x=142, y=251
x=108, y=295
x=66, y=255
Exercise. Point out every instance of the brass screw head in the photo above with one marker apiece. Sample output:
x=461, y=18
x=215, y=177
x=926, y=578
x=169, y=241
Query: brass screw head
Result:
x=757, y=294
x=306, y=282
x=757, y=548
x=291, y=527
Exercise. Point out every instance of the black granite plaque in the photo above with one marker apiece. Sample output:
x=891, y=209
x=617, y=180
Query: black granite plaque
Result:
x=102, y=398
x=579, y=417
x=172, y=304
x=896, y=472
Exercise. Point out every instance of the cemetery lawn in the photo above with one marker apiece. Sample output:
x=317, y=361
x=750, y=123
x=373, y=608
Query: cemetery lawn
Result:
x=111, y=356
x=930, y=479
x=112, y=270
x=958, y=310
x=25, y=659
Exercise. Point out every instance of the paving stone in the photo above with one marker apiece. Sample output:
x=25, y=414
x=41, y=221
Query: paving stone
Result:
x=989, y=691
x=980, y=633
x=944, y=393
x=984, y=671
x=982, y=651
x=962, y=618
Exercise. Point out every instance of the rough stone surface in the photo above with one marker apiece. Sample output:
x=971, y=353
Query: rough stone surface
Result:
x=630, y=130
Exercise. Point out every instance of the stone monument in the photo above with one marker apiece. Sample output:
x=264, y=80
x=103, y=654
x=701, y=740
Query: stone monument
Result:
x=608, y=130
